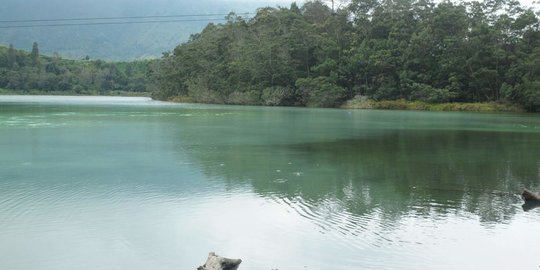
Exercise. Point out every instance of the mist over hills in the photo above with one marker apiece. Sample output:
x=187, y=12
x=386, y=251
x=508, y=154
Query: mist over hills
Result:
x=113, y=42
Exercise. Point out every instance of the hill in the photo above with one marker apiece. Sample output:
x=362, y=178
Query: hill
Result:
x=24, y=72
x=112, y=42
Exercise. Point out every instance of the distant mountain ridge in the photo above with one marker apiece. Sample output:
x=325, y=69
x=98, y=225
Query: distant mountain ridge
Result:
x=112, y=42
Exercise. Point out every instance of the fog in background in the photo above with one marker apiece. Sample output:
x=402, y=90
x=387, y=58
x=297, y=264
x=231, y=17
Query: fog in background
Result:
x=114, y=42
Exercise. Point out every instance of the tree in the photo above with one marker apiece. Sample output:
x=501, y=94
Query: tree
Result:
x=316, y=12
x=320, y=92
x=18, y=72
x=34, y=55
x=383, y=49
x=11, y=57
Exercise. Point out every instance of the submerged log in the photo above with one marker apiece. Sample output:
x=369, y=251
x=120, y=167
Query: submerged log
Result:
x=530, y=196
x=215, y=262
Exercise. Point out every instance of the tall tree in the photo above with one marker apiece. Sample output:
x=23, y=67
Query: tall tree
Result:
x=34, y=54
x=11, y=57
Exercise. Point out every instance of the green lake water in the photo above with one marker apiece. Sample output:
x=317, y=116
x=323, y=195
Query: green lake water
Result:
x=129, y=183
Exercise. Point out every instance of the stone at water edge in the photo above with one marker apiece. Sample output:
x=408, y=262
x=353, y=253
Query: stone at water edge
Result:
x=215, y=262
x=530, y=196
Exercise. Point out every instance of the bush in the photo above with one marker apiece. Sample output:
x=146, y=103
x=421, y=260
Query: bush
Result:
x=358, y=102
x=401, y=104
x=320, y=92
x=531, y=96
x=427, y=93
x=244, y=98
x=198, y=90
x=276, y=95
x=392, y=105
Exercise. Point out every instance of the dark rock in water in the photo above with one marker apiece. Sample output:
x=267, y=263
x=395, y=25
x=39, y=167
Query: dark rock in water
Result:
x=215, y=262
x=532, y=200
x=530, y=196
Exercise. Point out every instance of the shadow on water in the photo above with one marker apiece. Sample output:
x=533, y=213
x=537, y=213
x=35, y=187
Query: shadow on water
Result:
x=398, y=173
x=530, y=205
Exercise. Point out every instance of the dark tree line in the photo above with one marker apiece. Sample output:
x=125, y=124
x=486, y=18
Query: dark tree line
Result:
x=385, y=50
x=25, y=72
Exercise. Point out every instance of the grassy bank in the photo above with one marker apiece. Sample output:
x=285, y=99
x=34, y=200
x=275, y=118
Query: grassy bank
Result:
x=363, y=103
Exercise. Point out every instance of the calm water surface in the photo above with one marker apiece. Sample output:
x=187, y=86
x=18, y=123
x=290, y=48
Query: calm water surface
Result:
x=130, y=183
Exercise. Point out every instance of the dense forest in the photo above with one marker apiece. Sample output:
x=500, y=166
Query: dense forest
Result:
x=383, y=50
x=30, y=72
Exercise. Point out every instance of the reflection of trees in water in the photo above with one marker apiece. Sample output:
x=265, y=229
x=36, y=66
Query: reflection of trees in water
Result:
x=399, y=173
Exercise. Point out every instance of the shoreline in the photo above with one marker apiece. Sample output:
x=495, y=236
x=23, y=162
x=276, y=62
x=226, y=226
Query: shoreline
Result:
x=83, y=100
x=369, y=104
x=431, y=107
x=354, y=104
x=114, y=93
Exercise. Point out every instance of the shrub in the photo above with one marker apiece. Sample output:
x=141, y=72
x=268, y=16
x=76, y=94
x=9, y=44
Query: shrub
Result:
x=200, y=92
x=244, y=98
x=427, y=93
x=320, y=92
x=276, y=95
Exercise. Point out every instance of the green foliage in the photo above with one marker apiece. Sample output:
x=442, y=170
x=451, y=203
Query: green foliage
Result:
x=277, y=95
x=200, y=90
x=464, y=52
x=320, y=92
x=256, y=61
x=392, y=53
x=244, y=98
x=427, y=93
x=359, y=102
x=400, y=104
x=530, y=95
x=34, y=55
x=22, y=72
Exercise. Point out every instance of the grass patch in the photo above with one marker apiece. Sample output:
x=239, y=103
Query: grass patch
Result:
x=476, y=107
x=364, y=103
x=7, y=92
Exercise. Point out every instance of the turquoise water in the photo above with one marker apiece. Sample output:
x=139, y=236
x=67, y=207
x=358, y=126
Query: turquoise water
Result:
x=130, y=183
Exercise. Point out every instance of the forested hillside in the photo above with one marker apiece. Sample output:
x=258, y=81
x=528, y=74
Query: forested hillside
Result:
x=385, y=50
x=117, y=42
x=29, y=72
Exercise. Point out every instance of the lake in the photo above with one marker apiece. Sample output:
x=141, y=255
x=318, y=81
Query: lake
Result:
x=131, y=183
